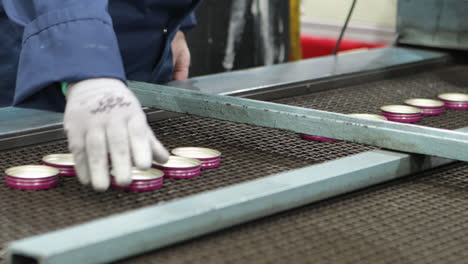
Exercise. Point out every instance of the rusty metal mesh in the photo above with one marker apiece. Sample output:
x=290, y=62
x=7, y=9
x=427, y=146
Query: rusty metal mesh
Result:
x=248, y=153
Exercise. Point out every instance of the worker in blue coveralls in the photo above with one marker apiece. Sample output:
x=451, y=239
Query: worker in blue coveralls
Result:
x=76, y=55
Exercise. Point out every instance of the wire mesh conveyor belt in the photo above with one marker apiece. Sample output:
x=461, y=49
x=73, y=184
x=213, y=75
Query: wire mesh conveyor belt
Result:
x=418, y=219
x=248, y=153
x=368, y=98
x=251, y=152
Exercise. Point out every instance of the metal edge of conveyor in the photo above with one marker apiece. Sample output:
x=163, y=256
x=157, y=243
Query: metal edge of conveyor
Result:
x=301, y=72
x=21, y=127
x=390, y=135
x=113, y=238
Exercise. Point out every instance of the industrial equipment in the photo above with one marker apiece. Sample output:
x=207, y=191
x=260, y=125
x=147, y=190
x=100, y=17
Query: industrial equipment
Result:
x=384, y=192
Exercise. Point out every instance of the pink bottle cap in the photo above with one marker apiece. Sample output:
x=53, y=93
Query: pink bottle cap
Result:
x=401, y=113
x=370, y=116
x=457, y=101
x=316, y=138
x=63, y=162
x=427, y=106
x=32, y=177
x=142, y=180
x=210, y=158
x=180, y=167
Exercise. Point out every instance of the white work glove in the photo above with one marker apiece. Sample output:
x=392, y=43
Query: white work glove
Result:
x=103, y=116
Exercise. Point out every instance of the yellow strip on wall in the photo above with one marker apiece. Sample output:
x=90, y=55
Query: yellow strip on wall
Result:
x=294, y=30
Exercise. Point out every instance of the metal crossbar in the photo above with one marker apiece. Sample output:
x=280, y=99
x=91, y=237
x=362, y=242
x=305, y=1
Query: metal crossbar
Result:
x=385, y=134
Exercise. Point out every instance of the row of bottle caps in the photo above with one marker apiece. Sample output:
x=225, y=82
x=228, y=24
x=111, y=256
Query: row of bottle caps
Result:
x=412, y=111
x=186, y=162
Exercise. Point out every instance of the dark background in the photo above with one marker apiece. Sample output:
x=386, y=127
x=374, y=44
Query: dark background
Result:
x=207, y=41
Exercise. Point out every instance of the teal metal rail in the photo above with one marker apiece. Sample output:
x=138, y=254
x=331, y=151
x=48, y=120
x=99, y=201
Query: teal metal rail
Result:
x=391, y=135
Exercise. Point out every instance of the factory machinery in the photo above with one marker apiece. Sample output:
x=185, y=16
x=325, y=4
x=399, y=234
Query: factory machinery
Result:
x=385, y=192
x=340, y=214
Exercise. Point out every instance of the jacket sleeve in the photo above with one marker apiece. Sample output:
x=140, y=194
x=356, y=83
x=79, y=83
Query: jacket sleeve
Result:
x=63, y=41
x=189, y=22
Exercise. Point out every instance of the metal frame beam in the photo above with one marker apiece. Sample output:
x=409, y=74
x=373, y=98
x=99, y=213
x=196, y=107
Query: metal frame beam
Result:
x=391, y=135
x=302, y=72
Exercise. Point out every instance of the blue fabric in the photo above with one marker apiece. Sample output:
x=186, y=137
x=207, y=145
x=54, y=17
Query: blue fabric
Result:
x=10, y=45
x=45, y=42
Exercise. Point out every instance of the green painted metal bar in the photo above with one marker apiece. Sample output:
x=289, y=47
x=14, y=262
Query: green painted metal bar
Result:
x=120, y=236
x=390, y=135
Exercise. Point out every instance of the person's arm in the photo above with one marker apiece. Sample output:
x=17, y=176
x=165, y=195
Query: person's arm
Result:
x=63, y=41
x=74, y=41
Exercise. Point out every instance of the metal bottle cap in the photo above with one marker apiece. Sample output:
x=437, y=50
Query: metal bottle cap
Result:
x=196, y=152
x=142, y=175
x=455, y=97
x=32, y=171
x=63, y=159
x=179, y=162
x=369, y=116
x=400, y=109
x=423, y=102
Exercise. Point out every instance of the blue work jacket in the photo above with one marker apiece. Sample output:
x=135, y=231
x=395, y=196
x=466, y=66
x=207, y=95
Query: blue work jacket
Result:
x=45, y=42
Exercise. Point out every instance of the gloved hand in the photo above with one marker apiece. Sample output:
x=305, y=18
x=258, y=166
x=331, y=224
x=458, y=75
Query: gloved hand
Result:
x=103, y=116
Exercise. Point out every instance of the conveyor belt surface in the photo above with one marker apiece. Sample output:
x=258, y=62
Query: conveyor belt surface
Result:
x=422, y=218
x=417, y=219
x=368, y=98
x=248, y=153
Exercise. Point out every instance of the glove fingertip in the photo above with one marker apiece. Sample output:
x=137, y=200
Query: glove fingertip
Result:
x=160, y=153
x=162, y=157
x=144, y=160
x=124, y=181
x=100, y=187
x=83, y=180
x=82, y=173
x=143, y=165
x=100, y=184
